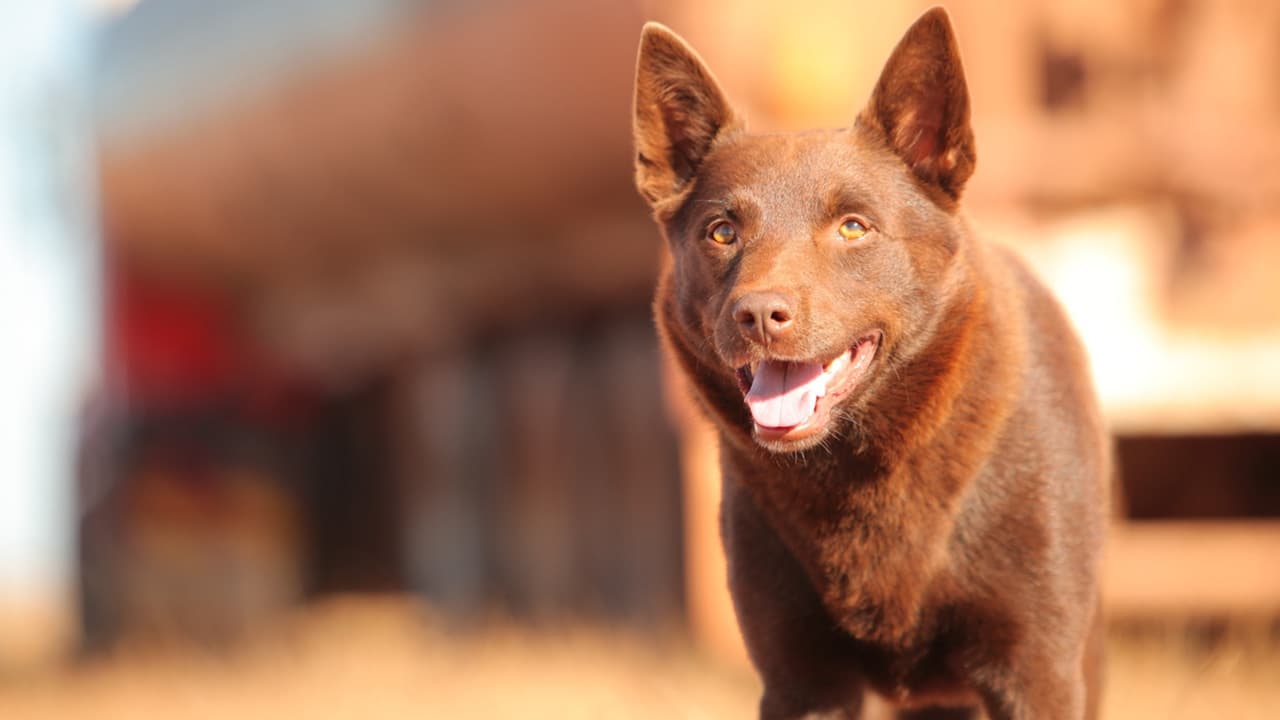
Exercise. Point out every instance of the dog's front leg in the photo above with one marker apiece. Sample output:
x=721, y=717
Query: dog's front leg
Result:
x=1041, y=688
x=769, y=711
x=803, y=659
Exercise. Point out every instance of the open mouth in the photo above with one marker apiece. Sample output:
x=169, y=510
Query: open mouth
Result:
x=791, y=400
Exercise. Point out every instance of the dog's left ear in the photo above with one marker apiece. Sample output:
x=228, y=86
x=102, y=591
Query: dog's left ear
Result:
x=921, y=105
x=680, y=110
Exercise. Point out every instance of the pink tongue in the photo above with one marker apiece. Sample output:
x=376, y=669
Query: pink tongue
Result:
x=784, y=394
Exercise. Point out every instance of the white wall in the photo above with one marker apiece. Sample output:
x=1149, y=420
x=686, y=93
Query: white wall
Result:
x=49, y=300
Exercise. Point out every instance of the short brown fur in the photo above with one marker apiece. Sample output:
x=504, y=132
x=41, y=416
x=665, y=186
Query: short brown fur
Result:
x=934, y=536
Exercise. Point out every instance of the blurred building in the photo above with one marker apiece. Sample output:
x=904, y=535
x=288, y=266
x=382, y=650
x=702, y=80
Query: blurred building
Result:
x=378, y=292
x=379, y=318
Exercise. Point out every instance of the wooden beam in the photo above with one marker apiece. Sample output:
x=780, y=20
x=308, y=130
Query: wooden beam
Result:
x=1218, y=567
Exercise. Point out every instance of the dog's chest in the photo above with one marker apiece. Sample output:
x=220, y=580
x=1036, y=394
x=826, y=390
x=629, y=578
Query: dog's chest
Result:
x=920, y=671
x=872, y=560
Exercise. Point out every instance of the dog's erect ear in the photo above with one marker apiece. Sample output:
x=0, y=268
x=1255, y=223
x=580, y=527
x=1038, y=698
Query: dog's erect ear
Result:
x=921, y=105
x=679, y=112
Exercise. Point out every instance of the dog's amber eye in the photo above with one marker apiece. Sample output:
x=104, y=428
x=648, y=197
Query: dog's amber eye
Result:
x=722, y=233
x=852, y=229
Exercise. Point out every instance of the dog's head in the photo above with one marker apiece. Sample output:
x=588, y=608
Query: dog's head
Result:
x=805, y=265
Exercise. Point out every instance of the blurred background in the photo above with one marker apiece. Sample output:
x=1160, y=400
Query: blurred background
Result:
x=330, y=382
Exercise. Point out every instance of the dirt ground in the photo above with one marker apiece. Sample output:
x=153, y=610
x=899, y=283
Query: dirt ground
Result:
x=390, y=659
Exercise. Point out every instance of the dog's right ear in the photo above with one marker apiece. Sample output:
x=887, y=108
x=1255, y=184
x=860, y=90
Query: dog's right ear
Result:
x=679, y=112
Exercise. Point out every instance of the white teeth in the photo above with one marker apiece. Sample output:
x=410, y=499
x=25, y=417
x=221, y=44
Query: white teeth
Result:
x=863, y=354
x=838, y=364
x=831, y=369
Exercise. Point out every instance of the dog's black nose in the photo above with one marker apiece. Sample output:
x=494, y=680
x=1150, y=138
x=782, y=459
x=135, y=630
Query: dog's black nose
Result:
x=763, y=317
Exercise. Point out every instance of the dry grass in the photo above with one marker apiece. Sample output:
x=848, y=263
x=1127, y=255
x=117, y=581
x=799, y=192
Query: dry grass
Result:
x=385, y=660
x=382, y=660
x=1174, y=673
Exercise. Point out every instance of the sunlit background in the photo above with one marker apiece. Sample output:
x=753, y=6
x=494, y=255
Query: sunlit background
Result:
x=329, y=388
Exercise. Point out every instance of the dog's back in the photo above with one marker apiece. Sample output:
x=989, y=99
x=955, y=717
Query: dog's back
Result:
x=914, y=463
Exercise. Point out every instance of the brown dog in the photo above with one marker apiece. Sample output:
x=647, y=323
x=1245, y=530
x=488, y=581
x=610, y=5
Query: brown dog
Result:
x=915, y=467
